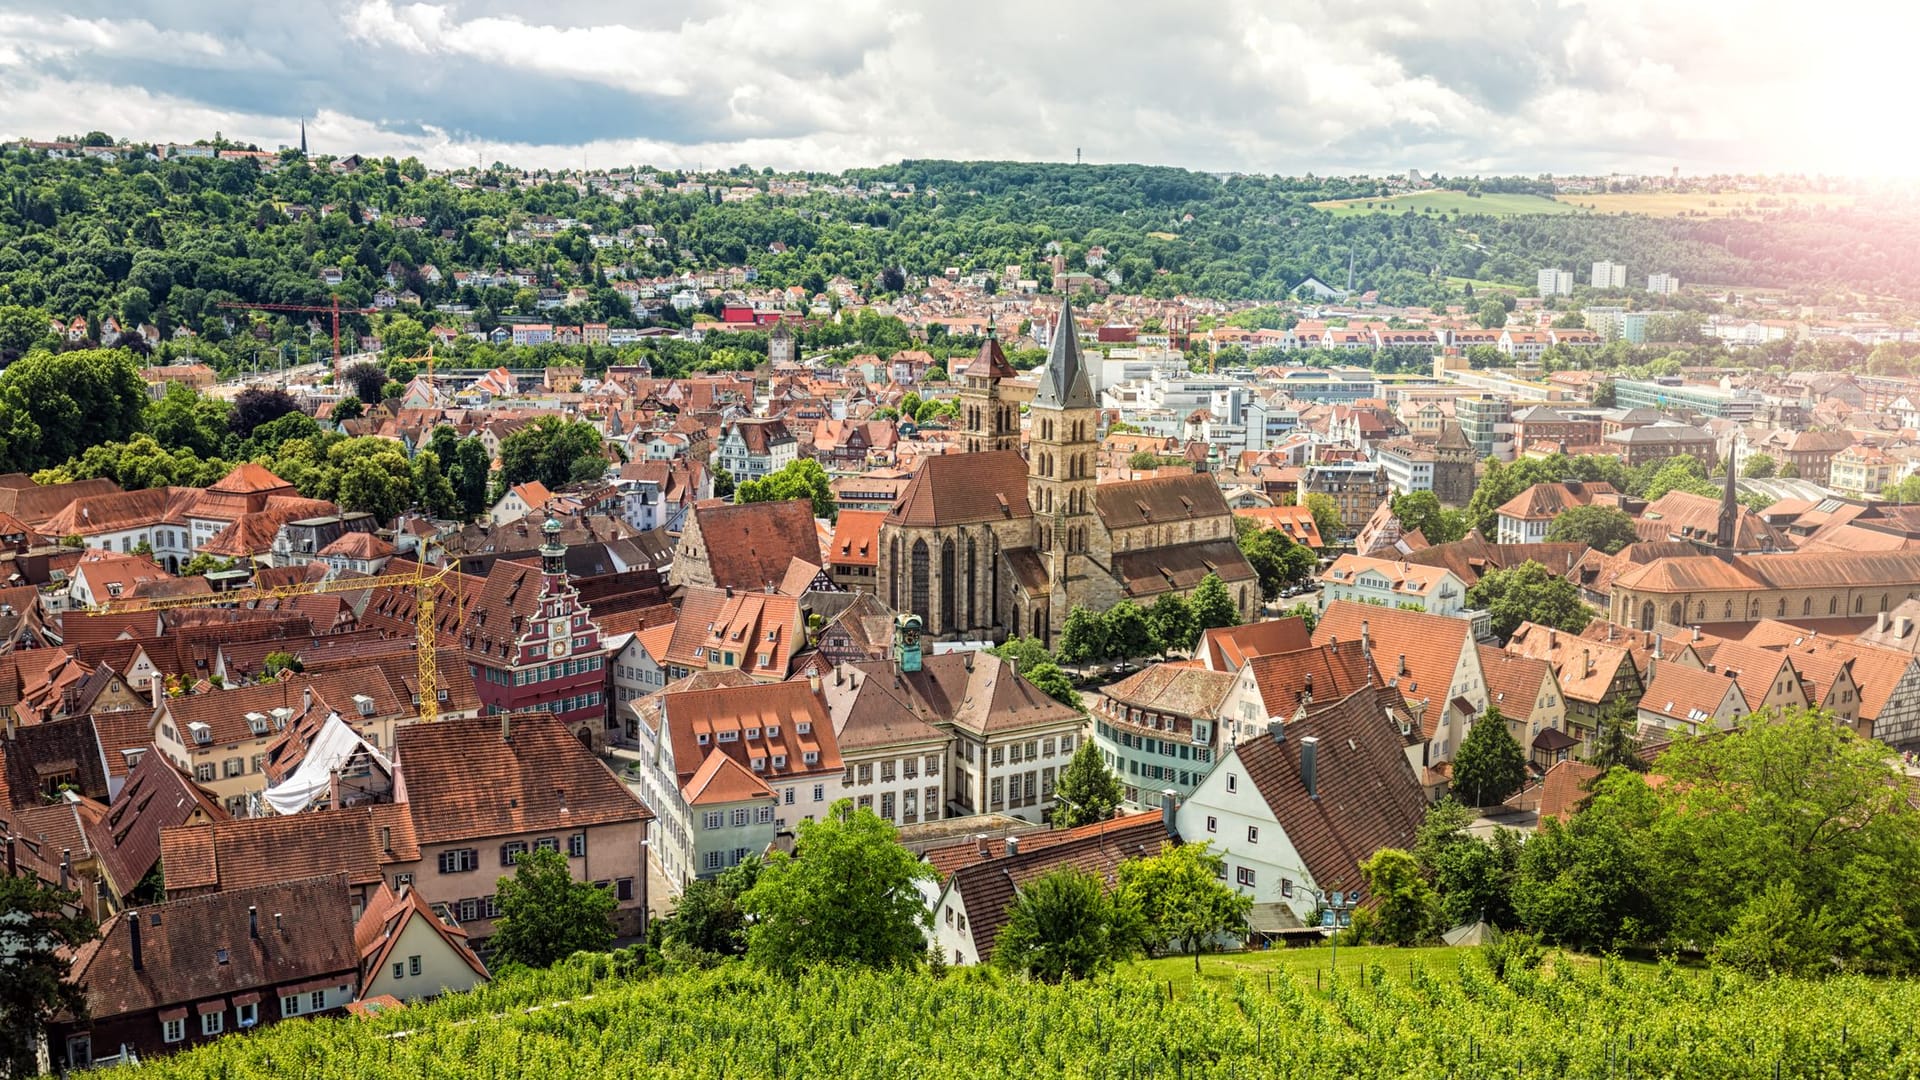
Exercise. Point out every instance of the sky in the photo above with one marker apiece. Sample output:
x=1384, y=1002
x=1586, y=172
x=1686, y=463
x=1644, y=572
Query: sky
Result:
x=1272, y=86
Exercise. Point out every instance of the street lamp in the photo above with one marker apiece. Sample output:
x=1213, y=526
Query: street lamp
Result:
x=1336, y=914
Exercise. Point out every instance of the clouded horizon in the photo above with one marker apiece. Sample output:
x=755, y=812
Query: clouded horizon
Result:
x=1452, y=86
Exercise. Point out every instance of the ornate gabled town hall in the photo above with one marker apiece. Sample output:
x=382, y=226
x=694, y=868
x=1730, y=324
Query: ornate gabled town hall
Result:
x=987, y=543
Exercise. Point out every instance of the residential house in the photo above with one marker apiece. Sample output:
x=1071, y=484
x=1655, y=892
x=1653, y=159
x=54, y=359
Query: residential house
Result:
x=747, y=546
x=1295, y=810
x=756, y=633
x=1431, y=660
x=1593, y=676
x=409, y=952
x=1691, y=701
x=895, y=759
x=1161, y=728
x=1527, y=693
x=1526, y=518
x=752, y=448
x=519, y=501
x=1393, y=583
x=853, y=558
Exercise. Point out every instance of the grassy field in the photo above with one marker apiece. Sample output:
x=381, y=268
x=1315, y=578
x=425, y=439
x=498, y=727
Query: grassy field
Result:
x=1696, y=203
x=1441, y=202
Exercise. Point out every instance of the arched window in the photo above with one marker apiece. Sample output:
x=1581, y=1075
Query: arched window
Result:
x=973, y=584
x=1729, y=614
x=893, y=574
x=1679, y=614
x=1806, y=606
x=1700, y=610
x=1783, y=606
x=947, y=579
x=921, y=560
x=1857, y=602
x=1646, y=615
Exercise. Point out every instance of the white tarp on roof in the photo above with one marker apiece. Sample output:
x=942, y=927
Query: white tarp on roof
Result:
x=335, y=747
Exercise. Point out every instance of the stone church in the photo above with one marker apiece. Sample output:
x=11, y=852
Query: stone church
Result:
x=987, y=543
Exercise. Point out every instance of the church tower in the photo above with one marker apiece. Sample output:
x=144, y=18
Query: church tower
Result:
x=1729, y=532
x=1061, y=446
x=989, y=421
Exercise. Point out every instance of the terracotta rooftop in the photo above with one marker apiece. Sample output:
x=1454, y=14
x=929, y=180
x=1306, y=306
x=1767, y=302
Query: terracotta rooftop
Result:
x=1229, y=648
x=1586, y=668
x=856, y=538
x=1430, y=646
x=749, y=545
x=463, y=780
x=988, y=887
x=1514, y=682
x=156, y=796
x=963, y=489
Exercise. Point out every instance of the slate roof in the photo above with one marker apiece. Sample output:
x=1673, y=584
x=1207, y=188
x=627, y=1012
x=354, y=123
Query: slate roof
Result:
x=180, y=943
x=964, y=489
x=1158, y=500
x=1063, y=379
x=1148, y=572
x=988, y=887
x=749, y=545
x=461, y=780
x=1367, y=795
x=975, y=691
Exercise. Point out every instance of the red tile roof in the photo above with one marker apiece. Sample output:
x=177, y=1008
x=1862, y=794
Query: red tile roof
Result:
x=1228, y=648
x=988, y=887
x=856, y=538
x=156, y=796
x=461, y=780
x=749, y=545
x=964, y=489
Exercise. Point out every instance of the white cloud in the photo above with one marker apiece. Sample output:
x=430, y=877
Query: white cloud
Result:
x=1507, y=85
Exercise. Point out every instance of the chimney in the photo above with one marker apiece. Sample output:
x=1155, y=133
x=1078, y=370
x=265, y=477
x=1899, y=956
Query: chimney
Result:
x=729, y=592
x=813, y=684
x=1880, y=623
x=1403, y=665
x=1306, y=689
x=506, y=727
x=157, y=687
x=1587, y=654
x=306, y=698
x=253, y=922
x=1013, y=845
x=1167, y=806
x=386, y=839
x=13, y=859
x=839, y=677
x=1696, y=633
x=133, y=933
x=66, y=868
x=1277, y=728
x=1901, y=626
x=1366, y=642
x=1553, y=638
x=986, y=850
x=1310, y=765
x=1657, y=646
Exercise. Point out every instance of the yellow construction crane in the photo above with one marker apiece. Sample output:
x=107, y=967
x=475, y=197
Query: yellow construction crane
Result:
x=423, y=578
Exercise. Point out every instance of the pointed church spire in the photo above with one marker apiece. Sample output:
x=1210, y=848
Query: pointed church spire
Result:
x=1065, y=385
x=1729, y=509
x=303, y=136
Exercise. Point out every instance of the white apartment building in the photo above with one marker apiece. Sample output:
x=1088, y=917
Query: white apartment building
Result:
x=1550, y=282
x=1663, y=284
x=1609, y=275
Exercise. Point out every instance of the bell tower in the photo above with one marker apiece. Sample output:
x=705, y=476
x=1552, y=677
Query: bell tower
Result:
x=988, y=420
x=1061, y=444
x=553, y=559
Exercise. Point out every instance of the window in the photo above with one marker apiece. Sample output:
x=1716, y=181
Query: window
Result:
x=1213, y=823
x=713, y=860
x=203, y=772
x=213, y=1023
x=413, y=965
x=886, y=771
x=547, y=843
x=1244, y=875
x=786, y=797
x=1046, y=748
x=459, y=860
x=1286, y=887
x=1233, y=782
x=1067, y=743
x=997, y=756
x=577, y=845
x=623, y=888
x=246, y=1015
x=763, y=815
x=1253, y=834
x=511, y=850
x=290, y=1005
x=740, y=816
x=819, y=792
x=173, y=1030
x=399, y=971
x=714, y=819
x=317, y=1001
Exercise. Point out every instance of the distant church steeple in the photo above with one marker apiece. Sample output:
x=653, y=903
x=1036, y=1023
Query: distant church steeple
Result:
x=1729, y=511
x=303, y=136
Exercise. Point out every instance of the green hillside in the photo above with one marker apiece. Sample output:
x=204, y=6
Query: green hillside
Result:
x=1437, y=201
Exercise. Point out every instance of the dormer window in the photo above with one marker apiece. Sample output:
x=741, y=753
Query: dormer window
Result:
x=779, y=761
x=701, y=738
x=804, y=727
x=811, y=757
x=773, y=731
x=753, y=733
x=729, y=736
x=759, y=764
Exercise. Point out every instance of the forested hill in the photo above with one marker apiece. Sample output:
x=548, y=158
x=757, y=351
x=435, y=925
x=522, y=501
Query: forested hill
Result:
x=163, y=241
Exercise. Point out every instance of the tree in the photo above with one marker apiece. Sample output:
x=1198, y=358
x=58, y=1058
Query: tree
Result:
x=1473, y=878
x=21, y=329
x=1405, y=905
x=1171, y=618
x=849, y=894
x=1612, y=743
x=1026, y=653
x=366, y=380
x=1083, y=638
x=1326, y=516
x=55, y=405
x=722, y=483
x=1213, y=605
x=1064, y=925
x=472, y=468
x=545, y=915
x=255, y=406
x=1274, y=555
x=802, y=479
x=1183, y=897
x=1680, y=473
x=348, y=408
x=40, y=927
x=1492, y=315
x=432, y=491
x=553, y=451
x=1529, y=593
x=707, y=924
x=1489, y=766
x=1758, y=467
x=1789, y=471
x=1127, y=631
x=1051, y=681
x=1603, y=528
x=1088, y=791
x=183, y=419
x=1420, y=511
x=1592, y=881
x=373, y=476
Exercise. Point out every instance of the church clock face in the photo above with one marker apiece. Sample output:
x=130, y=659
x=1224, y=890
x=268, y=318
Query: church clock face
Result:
x=557, y=637
x=910, y=636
